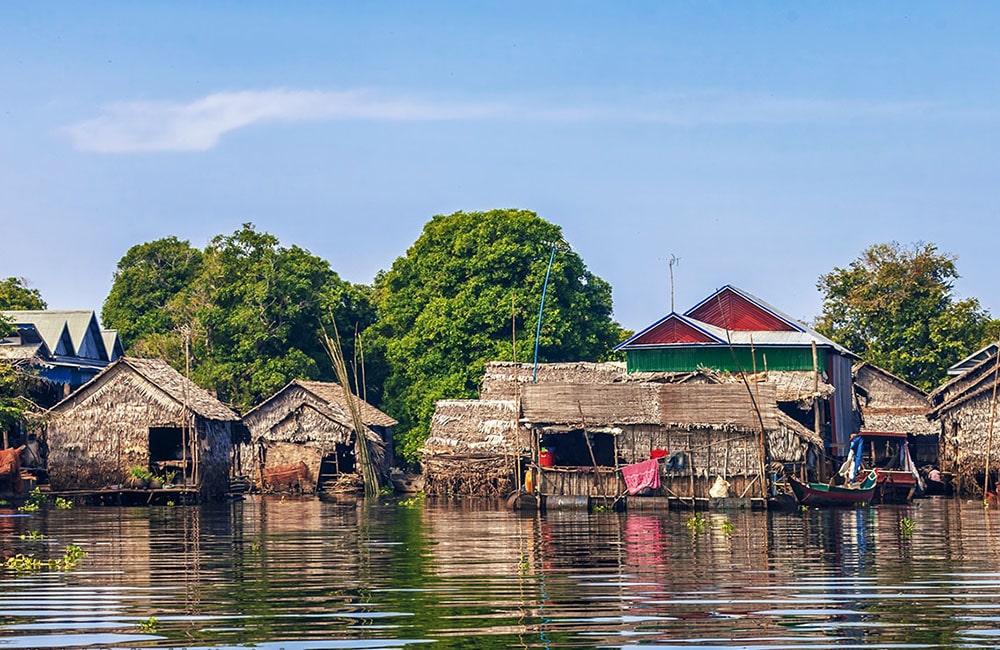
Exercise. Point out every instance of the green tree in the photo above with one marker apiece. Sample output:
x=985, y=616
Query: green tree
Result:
x=251, y=310
x=894, y=307
x=148, y=277
x=445, y=309
x=15, y=294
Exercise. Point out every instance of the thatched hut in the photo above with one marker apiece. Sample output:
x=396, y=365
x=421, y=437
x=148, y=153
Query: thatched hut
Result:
x=303, y=438
x=888, y=403
x=594, y=418
x=141, y=413
x=965, y=409
x=703, y=430
x=474, y=448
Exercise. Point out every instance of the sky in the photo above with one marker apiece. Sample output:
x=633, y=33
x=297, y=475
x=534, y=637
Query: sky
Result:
x=757, y=144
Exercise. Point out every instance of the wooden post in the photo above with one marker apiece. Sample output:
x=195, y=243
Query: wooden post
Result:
x=817, y=423
x=989, y=437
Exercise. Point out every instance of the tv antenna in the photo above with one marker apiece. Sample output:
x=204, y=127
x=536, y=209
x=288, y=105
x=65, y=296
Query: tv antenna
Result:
x=670, y=263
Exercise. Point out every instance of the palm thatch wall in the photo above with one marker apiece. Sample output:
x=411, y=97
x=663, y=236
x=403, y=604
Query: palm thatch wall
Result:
x=306, y=422
x=473, y=448
x=709, y=416
x=106, y=427
x=966, y=410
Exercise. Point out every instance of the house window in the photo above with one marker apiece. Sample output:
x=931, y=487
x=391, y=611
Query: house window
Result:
x=166, y=444
x=571, y=448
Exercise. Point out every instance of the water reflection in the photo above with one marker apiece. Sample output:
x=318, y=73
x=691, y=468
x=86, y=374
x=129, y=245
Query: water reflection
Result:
x=308, y=574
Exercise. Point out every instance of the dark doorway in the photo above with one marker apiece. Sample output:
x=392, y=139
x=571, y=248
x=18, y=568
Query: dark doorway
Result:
x=166, y=444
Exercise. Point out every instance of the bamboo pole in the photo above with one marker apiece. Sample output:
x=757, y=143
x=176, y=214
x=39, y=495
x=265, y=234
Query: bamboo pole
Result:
x=368, y=474
x=989, y=437
x=761, y=439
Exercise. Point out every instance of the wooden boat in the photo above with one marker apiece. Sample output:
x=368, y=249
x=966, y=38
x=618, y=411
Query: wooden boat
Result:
x=821, y=494
x=888, y=453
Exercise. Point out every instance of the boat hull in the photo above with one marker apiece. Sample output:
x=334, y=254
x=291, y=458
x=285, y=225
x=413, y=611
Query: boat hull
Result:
x=821, y=494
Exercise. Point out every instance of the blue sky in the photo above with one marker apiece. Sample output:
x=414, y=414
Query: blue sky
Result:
x=761, y=143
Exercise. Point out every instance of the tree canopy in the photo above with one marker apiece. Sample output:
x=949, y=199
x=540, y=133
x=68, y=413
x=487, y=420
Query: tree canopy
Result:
x=148, y=277
x=15, y=294
x=894, y=307
x=251, y=311
x=452, y=303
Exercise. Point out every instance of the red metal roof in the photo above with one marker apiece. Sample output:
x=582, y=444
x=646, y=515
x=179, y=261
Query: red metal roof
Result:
x=729, y=310
x=673, y=330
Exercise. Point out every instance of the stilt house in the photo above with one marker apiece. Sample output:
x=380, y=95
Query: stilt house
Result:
x=305, y=432
x=966, y=412
x=141, y=413
x=888, y=403
x=732, y=331
x=580, y=423
x=67, y=347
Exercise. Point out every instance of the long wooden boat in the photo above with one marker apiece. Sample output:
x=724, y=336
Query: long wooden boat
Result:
x=821, y=494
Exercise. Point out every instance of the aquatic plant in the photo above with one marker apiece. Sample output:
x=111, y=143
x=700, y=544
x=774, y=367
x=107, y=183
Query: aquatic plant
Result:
x=63, y=504
x=415, y=501
x=695, y=523
x=148, y=625
x=906, y=526
x=35, y=501
x=33, y=534
x=727, y=527
x=22, y=563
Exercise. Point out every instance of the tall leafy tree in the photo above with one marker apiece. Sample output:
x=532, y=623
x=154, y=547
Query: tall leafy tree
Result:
x=895, y=308
x=148, y=277
x=15, y=294
x=246, y=313
x=447, y=307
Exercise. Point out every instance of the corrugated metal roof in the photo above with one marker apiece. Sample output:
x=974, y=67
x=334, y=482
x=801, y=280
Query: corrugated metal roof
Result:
x=801, y=336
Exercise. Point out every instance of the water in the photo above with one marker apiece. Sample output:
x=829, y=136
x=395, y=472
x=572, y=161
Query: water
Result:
x=299, y=574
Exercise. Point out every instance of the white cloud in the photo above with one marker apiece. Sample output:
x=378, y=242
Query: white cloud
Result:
x=198, y=125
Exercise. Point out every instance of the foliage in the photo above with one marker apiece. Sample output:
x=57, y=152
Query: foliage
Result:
x=252, y=312
x=894, y=307
x=445, y=310
x=36, y=499
x=906, y=526
x=141, y=473
x=21, y=563
x=148, y=625
x=13, y=403
x=696, y=523
x=15, y=294
x=148, y=278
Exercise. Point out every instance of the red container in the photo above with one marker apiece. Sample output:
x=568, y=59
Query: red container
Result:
x=546, y=458
x=658, y=453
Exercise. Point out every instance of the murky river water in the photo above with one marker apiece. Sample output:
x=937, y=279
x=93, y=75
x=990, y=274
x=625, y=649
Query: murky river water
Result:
x=305, y=574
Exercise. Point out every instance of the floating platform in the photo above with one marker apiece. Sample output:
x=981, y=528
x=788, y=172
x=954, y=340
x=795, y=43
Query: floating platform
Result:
x=582, y=503
x=130, y=497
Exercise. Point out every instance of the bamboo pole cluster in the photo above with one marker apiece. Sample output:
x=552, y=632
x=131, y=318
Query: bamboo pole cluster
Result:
x=336, y=352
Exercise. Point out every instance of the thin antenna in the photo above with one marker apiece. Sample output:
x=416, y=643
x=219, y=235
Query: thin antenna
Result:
x=670, y=263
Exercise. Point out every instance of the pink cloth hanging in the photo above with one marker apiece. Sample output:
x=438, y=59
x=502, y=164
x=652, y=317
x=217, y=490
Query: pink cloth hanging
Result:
x=642, y=475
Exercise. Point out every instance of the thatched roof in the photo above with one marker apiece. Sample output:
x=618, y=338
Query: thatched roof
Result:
x=501, y=379
x=160, y=376
x=685, y=405
x=333, y=394
x=973, y=383
x=472, y=427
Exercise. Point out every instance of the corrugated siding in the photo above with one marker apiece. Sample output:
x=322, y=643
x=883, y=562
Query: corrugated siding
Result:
x=721, y=358
x=843, y=405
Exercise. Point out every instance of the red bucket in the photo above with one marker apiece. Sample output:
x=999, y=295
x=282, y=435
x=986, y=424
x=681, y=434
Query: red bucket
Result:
x=546, y=458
